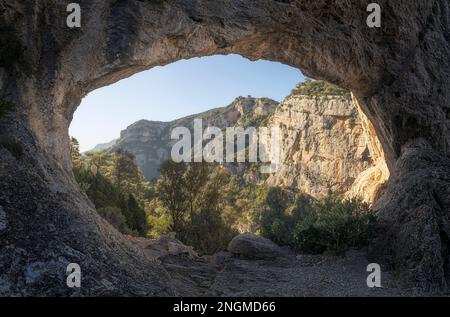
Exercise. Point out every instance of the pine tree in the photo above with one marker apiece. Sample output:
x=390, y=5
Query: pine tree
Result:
x=125, y=171
x=75, y=153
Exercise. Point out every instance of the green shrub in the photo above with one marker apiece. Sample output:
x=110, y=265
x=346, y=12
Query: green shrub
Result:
x=207, y=232
x=115, y=217
x=276, y=224
x=332, y=226
x=314, y=227
x=115, y=186
x=134, y=215
x=159, y=225
x=320, y=88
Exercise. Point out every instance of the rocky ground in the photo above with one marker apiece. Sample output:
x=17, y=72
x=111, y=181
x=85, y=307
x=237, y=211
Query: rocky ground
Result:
x=287, y=274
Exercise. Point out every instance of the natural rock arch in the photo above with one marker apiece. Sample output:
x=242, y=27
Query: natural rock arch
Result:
x=399, y=74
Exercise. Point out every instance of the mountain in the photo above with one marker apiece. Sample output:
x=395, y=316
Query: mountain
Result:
x=103, y=146
x=150, y=141
x=328, y=146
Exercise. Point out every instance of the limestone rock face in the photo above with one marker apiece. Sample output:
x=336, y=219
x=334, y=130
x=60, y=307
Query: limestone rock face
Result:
x=406, y=219
x=149, y=142
x=324, y=147
x=399, y=74
x=38, y=242
x=370, y=184
x=253, y=246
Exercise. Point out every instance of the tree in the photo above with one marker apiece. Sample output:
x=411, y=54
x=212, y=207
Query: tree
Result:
x=115, y=217
x=115, y=185
x=133, y=213
x=128, y=178
x=320, y=88
x=274, y=220
x=171, y=190
x=101, y=162
x=196, y=176
x=75, y=153
x=206, y=229
x=125, y=171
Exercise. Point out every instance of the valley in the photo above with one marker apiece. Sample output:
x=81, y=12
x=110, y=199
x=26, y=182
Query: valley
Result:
x=329, y=147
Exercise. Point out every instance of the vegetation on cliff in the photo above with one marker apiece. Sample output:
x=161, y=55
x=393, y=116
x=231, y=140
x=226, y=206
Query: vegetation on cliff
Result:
x=320, y=88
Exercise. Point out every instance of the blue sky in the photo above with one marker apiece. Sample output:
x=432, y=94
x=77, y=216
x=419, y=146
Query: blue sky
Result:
x=177, y=90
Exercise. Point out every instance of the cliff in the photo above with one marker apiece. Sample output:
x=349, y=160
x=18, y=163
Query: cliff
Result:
x=328, y=146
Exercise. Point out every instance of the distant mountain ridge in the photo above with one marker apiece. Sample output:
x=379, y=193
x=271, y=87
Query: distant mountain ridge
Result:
x=103, y=146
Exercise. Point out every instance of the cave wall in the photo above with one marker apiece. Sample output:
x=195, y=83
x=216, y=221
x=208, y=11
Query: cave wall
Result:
x=398, y=73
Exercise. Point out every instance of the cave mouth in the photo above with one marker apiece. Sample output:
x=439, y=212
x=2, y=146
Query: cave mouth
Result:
x=132, y=204
x=56, y=66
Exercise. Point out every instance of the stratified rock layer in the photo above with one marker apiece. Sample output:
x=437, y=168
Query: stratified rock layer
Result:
x=399, y=74
x=326, y=146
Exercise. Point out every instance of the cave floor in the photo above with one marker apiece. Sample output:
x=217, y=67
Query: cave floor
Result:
x=296, y=275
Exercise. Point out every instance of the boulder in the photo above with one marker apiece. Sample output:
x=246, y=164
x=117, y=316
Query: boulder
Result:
x=250, y=245
x=167, y=245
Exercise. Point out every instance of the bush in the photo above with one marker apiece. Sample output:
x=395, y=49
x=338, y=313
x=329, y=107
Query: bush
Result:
x=314, y=227
x=115, y=186
x=320, y=88
x=207, y=232
x=159, y=226
x=134, y=215
x=115, y=217
x=276, y=224
x=333, y=226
